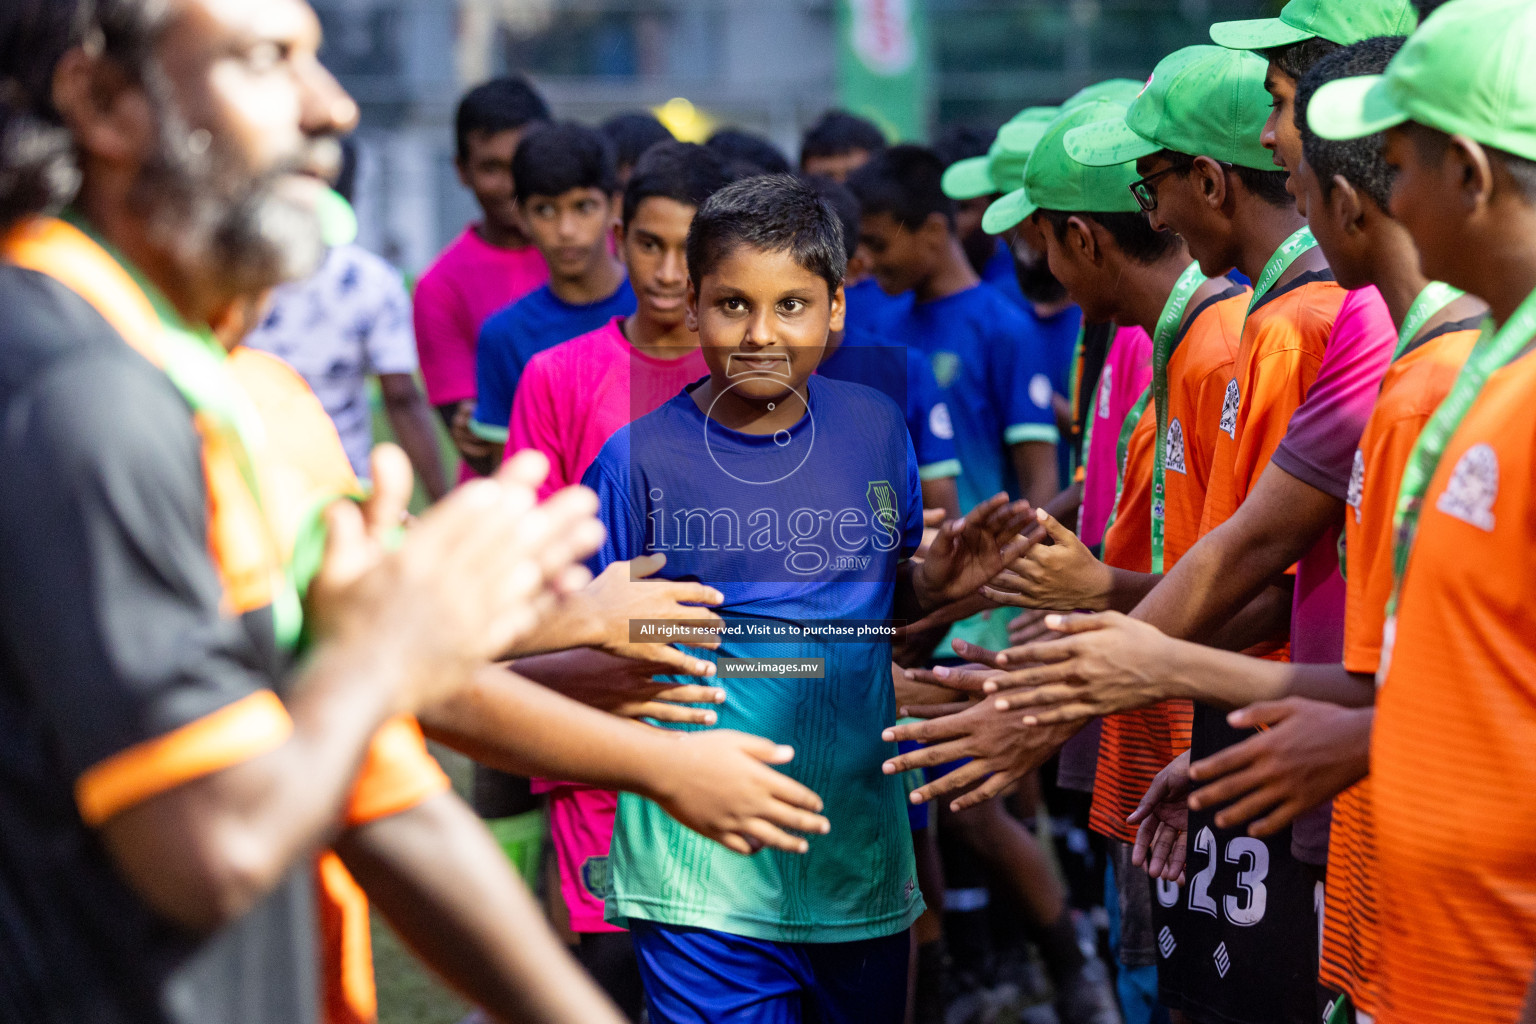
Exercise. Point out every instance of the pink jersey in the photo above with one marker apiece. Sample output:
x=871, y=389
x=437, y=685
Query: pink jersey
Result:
x=1319, y=449
x=572, y=398
x=1127, y=372
x=469, y=280
x=570, y=401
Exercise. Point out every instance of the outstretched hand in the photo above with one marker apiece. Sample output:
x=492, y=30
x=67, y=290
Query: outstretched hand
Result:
x=1100, y=664
x=623, y=593
x=722, y=785
x=1309, y=753
x=967, y=553
x=1061, y=575
x=627, y=687
x=1001, y=751
x=1162, y=823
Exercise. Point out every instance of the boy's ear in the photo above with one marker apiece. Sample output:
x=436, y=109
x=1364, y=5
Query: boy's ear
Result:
x=936, y=229
x=839, y=316
x=1212, y=181
x=1345, y=205
x=1081, y=240
x=618, y=240
x=1470, y=170
x=691, y=306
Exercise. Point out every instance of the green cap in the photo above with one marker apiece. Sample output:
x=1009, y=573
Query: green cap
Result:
x=1057, y=182
x=1002, y=169
x=1466, y=71
x=1338, y=21
x=1201, y=100
x=1122, y=90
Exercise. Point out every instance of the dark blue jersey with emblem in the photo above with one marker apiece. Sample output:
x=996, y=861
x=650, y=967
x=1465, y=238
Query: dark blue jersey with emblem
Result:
x=794, y=529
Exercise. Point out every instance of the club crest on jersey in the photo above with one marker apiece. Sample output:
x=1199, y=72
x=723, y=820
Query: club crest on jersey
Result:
x=882, y=501
x=1040, y=391
x=946, y=367
x=1106, y=390
x=1173, y=451
x=1356, y=493
x=1473, y=487
x=939, y=422
x=1229, y=409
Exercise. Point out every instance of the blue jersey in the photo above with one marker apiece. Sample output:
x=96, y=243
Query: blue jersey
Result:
x=511, y=336
x=904, y=376
x=997, y=385
x=800, y=527
x=996, y=381
x=869, y=307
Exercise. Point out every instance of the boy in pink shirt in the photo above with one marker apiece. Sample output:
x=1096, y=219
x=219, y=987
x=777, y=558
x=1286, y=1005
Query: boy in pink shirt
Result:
x=1127, y=373
x=569, y=401
x=490, y=265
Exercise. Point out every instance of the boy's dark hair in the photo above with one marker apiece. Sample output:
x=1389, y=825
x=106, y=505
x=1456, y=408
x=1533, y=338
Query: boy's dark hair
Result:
x=837, y=133
x=552, y=159
x=1299, y=58
x=38, y=169
x=1132, y=233
x=843, y=204
x=903, y=181
x=770, y=213
x=1358, y=160
x=734, y=145
x=631, y=134
x=961, y=142
x=680, y=171
x=499, y=105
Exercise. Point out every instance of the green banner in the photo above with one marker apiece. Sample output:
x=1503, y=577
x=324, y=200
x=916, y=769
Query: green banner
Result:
x=883, y=64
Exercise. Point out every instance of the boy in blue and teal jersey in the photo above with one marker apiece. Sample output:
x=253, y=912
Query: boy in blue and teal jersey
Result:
x=797, y=497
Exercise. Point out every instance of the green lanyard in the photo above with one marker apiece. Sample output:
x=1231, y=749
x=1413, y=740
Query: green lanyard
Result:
x=1163, y=336
x=1299, y=242
x=1122, y=449
x=1074, y=381
x=1435, y=297
x=1494, y=350
x=194, y=360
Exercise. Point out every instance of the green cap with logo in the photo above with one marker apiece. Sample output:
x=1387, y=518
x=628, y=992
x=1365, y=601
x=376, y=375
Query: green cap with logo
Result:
x=1201, y=100
x=1002, y=168
x=1338, y=21
x=1468, y=70
x=1055, y=181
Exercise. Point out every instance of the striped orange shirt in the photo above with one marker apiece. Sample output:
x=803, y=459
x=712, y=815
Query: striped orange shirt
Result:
x=1134, y=746
x=1452, y=769
x=1413, y=386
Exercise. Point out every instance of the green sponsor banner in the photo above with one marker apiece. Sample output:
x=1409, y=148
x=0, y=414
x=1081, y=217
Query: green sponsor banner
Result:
x=883, y=64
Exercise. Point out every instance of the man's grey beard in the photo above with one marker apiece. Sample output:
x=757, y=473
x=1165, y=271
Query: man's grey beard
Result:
x=213, y=217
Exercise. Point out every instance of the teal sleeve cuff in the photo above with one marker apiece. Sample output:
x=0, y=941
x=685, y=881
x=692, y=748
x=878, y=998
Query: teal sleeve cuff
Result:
x=486, y=432
x=1022, y=432
x=939, y=470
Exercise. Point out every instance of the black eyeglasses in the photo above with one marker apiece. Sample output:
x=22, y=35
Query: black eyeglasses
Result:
x=1146, y=195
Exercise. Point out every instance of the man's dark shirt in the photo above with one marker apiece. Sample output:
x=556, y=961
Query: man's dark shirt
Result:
x=111, y=636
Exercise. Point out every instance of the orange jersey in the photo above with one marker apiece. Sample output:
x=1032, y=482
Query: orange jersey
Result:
x=303, y=469
x=1413, y=386
x=1199, y=372
x=1451, y=760
x=1278, y=358
x=1135, y=745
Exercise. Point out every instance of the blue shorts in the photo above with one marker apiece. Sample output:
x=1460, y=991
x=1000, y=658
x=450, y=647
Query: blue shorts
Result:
x=699, y=976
